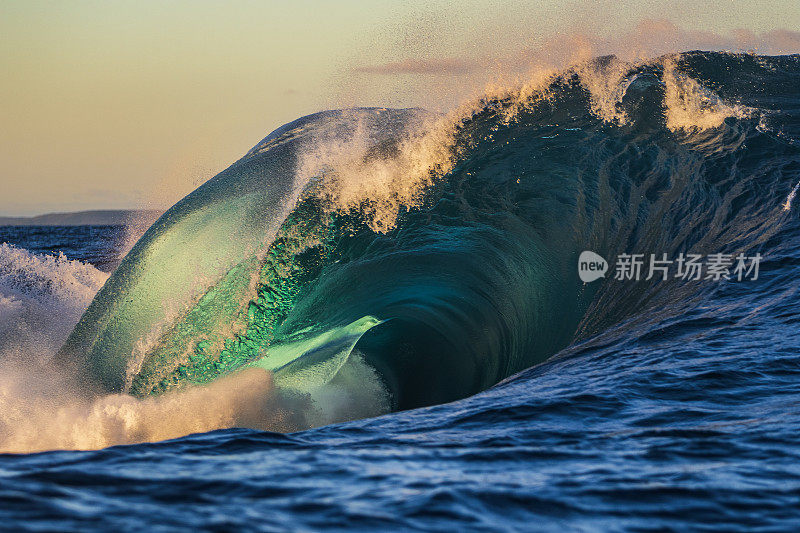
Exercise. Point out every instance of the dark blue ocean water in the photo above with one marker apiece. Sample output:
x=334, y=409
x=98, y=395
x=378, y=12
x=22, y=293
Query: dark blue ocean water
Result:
x=100, y=246
x=675, y=407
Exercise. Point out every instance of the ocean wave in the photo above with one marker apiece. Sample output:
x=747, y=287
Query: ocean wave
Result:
x=394, y=259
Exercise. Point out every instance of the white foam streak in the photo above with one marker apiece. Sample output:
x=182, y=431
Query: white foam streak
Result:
x=787, y=205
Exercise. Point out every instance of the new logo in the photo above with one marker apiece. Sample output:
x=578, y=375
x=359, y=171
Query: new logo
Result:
x=591, y=266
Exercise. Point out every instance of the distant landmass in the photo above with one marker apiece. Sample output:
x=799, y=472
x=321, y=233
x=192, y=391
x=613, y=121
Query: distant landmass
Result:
x=105, y=217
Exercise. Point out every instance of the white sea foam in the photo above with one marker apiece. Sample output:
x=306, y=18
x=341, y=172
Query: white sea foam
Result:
x=42, y=296
x=43, y=407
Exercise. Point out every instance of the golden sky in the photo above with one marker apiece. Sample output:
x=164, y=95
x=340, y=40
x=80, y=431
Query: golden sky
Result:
x=107, y=104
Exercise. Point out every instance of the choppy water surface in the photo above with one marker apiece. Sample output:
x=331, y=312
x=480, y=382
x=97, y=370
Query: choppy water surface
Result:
x=99, y=245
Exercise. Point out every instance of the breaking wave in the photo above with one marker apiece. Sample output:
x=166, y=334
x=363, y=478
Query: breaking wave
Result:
x=361, y=261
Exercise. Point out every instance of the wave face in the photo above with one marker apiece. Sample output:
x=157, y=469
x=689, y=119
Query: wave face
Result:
x=441, y=252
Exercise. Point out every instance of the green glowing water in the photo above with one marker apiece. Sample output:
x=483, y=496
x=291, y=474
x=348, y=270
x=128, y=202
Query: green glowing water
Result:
x=205, y=343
